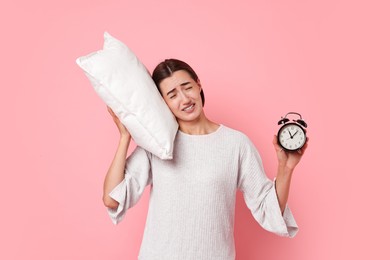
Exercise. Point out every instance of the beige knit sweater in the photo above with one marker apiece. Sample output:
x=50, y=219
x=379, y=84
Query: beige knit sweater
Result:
x=192, y=199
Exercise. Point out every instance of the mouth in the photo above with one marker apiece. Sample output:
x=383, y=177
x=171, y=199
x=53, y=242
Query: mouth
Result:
x=188, y=108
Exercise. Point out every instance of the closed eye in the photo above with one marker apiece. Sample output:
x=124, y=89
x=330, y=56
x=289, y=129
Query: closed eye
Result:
x=171, y=97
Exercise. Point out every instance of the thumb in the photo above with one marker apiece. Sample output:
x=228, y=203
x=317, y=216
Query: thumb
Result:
x=275, y=143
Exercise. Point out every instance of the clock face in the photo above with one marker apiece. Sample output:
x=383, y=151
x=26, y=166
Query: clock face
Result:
x=291, y=136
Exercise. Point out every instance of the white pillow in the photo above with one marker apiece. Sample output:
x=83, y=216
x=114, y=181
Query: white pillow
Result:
x=125, y=85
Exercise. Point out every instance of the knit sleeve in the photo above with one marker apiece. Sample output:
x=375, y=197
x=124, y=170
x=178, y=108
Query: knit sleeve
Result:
x=137, y=177
x=260, y=194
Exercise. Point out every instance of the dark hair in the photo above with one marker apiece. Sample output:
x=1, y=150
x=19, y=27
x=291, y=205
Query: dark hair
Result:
x=166, y=68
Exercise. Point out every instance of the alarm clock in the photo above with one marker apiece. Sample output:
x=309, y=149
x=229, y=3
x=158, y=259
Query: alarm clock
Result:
x=292, y=134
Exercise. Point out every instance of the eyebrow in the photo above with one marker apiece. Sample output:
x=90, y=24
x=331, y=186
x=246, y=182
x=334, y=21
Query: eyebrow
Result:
x=182, y=84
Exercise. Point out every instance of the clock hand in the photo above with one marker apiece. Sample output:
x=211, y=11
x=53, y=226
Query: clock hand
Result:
x=294, y=134
x=291, y=136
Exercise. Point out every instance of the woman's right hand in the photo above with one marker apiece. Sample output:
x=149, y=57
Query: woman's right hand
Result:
x=122, y=129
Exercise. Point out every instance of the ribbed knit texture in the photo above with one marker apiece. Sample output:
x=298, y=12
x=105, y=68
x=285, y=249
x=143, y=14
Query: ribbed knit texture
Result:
x=192, y=200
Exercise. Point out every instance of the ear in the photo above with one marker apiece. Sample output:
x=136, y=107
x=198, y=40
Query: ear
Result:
x=200, y=85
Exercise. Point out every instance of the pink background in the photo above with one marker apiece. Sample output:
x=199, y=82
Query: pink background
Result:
x=257, y=60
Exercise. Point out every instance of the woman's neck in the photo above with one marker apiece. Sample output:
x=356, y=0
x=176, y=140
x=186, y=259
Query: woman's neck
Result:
x=200, y=127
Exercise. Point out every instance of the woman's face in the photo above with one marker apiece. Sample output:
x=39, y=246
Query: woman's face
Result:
x=182, y=95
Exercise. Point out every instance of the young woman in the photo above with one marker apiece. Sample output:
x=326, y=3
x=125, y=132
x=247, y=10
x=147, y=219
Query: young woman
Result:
x=192, y=196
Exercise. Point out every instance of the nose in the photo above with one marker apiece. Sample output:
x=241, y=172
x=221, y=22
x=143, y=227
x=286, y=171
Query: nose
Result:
x=185, y=99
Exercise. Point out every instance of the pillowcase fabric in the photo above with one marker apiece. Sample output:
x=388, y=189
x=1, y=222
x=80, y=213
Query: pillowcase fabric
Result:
x=125, y=85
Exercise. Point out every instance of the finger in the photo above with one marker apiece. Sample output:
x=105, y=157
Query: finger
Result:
x=110, y=110
x=303, y=149
x=276, y=145
x=112, y=113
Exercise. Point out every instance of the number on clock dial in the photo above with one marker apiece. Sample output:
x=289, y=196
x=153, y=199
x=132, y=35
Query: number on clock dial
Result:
x=292, y=137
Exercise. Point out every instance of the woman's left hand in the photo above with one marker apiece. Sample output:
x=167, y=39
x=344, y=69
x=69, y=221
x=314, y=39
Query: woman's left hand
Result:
x=288, y=159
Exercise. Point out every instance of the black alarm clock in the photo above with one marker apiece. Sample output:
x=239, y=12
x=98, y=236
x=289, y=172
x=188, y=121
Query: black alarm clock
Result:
x=292, y=134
